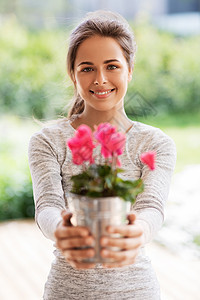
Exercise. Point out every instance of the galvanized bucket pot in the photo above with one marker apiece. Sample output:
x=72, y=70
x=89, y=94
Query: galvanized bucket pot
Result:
x=97, y=214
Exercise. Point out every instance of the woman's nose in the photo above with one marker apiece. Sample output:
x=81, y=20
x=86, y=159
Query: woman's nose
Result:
x=100, y=78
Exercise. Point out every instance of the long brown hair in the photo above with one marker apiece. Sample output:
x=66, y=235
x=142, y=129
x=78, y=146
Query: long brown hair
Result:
x=105, y=24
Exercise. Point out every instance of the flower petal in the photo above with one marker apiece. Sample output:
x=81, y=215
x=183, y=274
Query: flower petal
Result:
x=148, y=158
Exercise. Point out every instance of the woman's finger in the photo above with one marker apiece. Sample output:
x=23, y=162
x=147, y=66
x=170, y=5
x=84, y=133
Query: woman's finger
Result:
x=131, y=217
x=66, y=215
x=119, y=264
x=67, y=232
x=65, y=244
x=78, y=254
x=122, y=243
x=119, y=256
x=126, y=230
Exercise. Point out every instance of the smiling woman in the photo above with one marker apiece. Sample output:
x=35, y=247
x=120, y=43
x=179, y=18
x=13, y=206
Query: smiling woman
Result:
x=101, y=72
x=100, y=63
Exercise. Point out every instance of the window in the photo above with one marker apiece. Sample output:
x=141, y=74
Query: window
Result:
x=183, y=6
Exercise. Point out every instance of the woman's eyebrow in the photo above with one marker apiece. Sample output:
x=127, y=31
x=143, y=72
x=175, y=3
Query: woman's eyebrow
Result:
x=91, y=64
x=86, y=63
x=110, y=60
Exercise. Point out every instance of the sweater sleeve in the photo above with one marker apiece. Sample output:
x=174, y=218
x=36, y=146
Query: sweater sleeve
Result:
x=47, y=186
x=150, y=204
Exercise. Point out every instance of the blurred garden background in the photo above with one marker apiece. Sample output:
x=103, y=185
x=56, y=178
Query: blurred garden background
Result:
x=164, y=92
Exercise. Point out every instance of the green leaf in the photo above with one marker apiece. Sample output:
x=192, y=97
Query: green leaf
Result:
x=95, y=185
x=109, y=182
x=103, y=181
x=128, y=189
x=104, y=170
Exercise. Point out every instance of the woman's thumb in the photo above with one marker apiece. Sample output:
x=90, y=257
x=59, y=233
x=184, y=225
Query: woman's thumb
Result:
x=66, y=215
x=131, y=217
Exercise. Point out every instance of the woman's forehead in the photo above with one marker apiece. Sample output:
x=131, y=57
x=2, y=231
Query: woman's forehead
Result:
x=99, y=48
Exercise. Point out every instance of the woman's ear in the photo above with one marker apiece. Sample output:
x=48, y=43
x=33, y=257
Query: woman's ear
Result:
x=73, y=79
x=130, y=73
x=130, y=77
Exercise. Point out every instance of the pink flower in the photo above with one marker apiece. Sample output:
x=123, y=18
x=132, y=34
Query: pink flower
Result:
x=82, y=145
x=148, y=158
x=112, y=142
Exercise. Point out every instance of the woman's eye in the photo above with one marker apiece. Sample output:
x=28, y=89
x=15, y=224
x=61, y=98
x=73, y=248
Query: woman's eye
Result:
x=88, y=69
x=112, y=67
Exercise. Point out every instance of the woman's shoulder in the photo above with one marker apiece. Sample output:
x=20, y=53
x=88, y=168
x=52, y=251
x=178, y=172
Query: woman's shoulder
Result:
x=54, y=129
x=151, y=136
x=52, y=135
x=144, y=138
x=146, y=130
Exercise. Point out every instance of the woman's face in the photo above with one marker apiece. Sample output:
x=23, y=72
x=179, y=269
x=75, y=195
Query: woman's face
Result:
x=101, y=73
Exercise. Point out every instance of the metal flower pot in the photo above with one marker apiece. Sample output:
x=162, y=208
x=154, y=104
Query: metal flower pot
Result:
x=97, y=214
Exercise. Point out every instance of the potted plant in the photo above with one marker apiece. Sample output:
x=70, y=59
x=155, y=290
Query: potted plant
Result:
x=99, y=196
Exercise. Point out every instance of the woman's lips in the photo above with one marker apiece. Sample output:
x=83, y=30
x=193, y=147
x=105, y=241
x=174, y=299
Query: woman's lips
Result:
x=102, y=93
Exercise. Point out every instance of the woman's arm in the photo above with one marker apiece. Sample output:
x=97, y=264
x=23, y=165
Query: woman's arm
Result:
x=46, y=178
x=149, y=206
x=50, y=213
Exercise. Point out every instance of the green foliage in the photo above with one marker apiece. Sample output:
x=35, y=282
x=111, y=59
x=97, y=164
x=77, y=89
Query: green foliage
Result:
x=196, y=240
x=32, y=71
x=103, y=181
x=16, y=196
x=166, y=73
x=33, y=77
x=16, y=200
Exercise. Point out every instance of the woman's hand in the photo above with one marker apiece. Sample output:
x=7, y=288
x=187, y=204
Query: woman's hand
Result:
x=70, y=240
x=129, y=244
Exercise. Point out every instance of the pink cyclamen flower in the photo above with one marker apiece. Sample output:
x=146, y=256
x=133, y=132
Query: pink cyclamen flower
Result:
x=148, y=158
x=112, y=142
x=82, y=145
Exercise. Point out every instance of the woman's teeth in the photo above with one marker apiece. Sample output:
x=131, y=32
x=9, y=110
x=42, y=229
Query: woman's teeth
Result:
x=102, y=93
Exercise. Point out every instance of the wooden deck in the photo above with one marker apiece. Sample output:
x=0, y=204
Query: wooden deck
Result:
x=25, y=258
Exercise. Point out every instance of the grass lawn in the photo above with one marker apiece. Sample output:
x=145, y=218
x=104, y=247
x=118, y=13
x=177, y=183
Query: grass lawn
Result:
x=187, y=143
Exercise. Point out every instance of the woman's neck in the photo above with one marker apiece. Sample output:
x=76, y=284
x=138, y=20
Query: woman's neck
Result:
x=117, y=118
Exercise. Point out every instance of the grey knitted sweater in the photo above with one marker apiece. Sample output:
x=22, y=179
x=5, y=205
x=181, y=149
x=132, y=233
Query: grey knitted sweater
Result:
x=51, y=168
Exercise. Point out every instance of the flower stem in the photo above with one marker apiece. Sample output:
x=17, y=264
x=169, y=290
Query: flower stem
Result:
x=84, y=167
x=114, y=169
x=100, y=159
x=114, y=162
